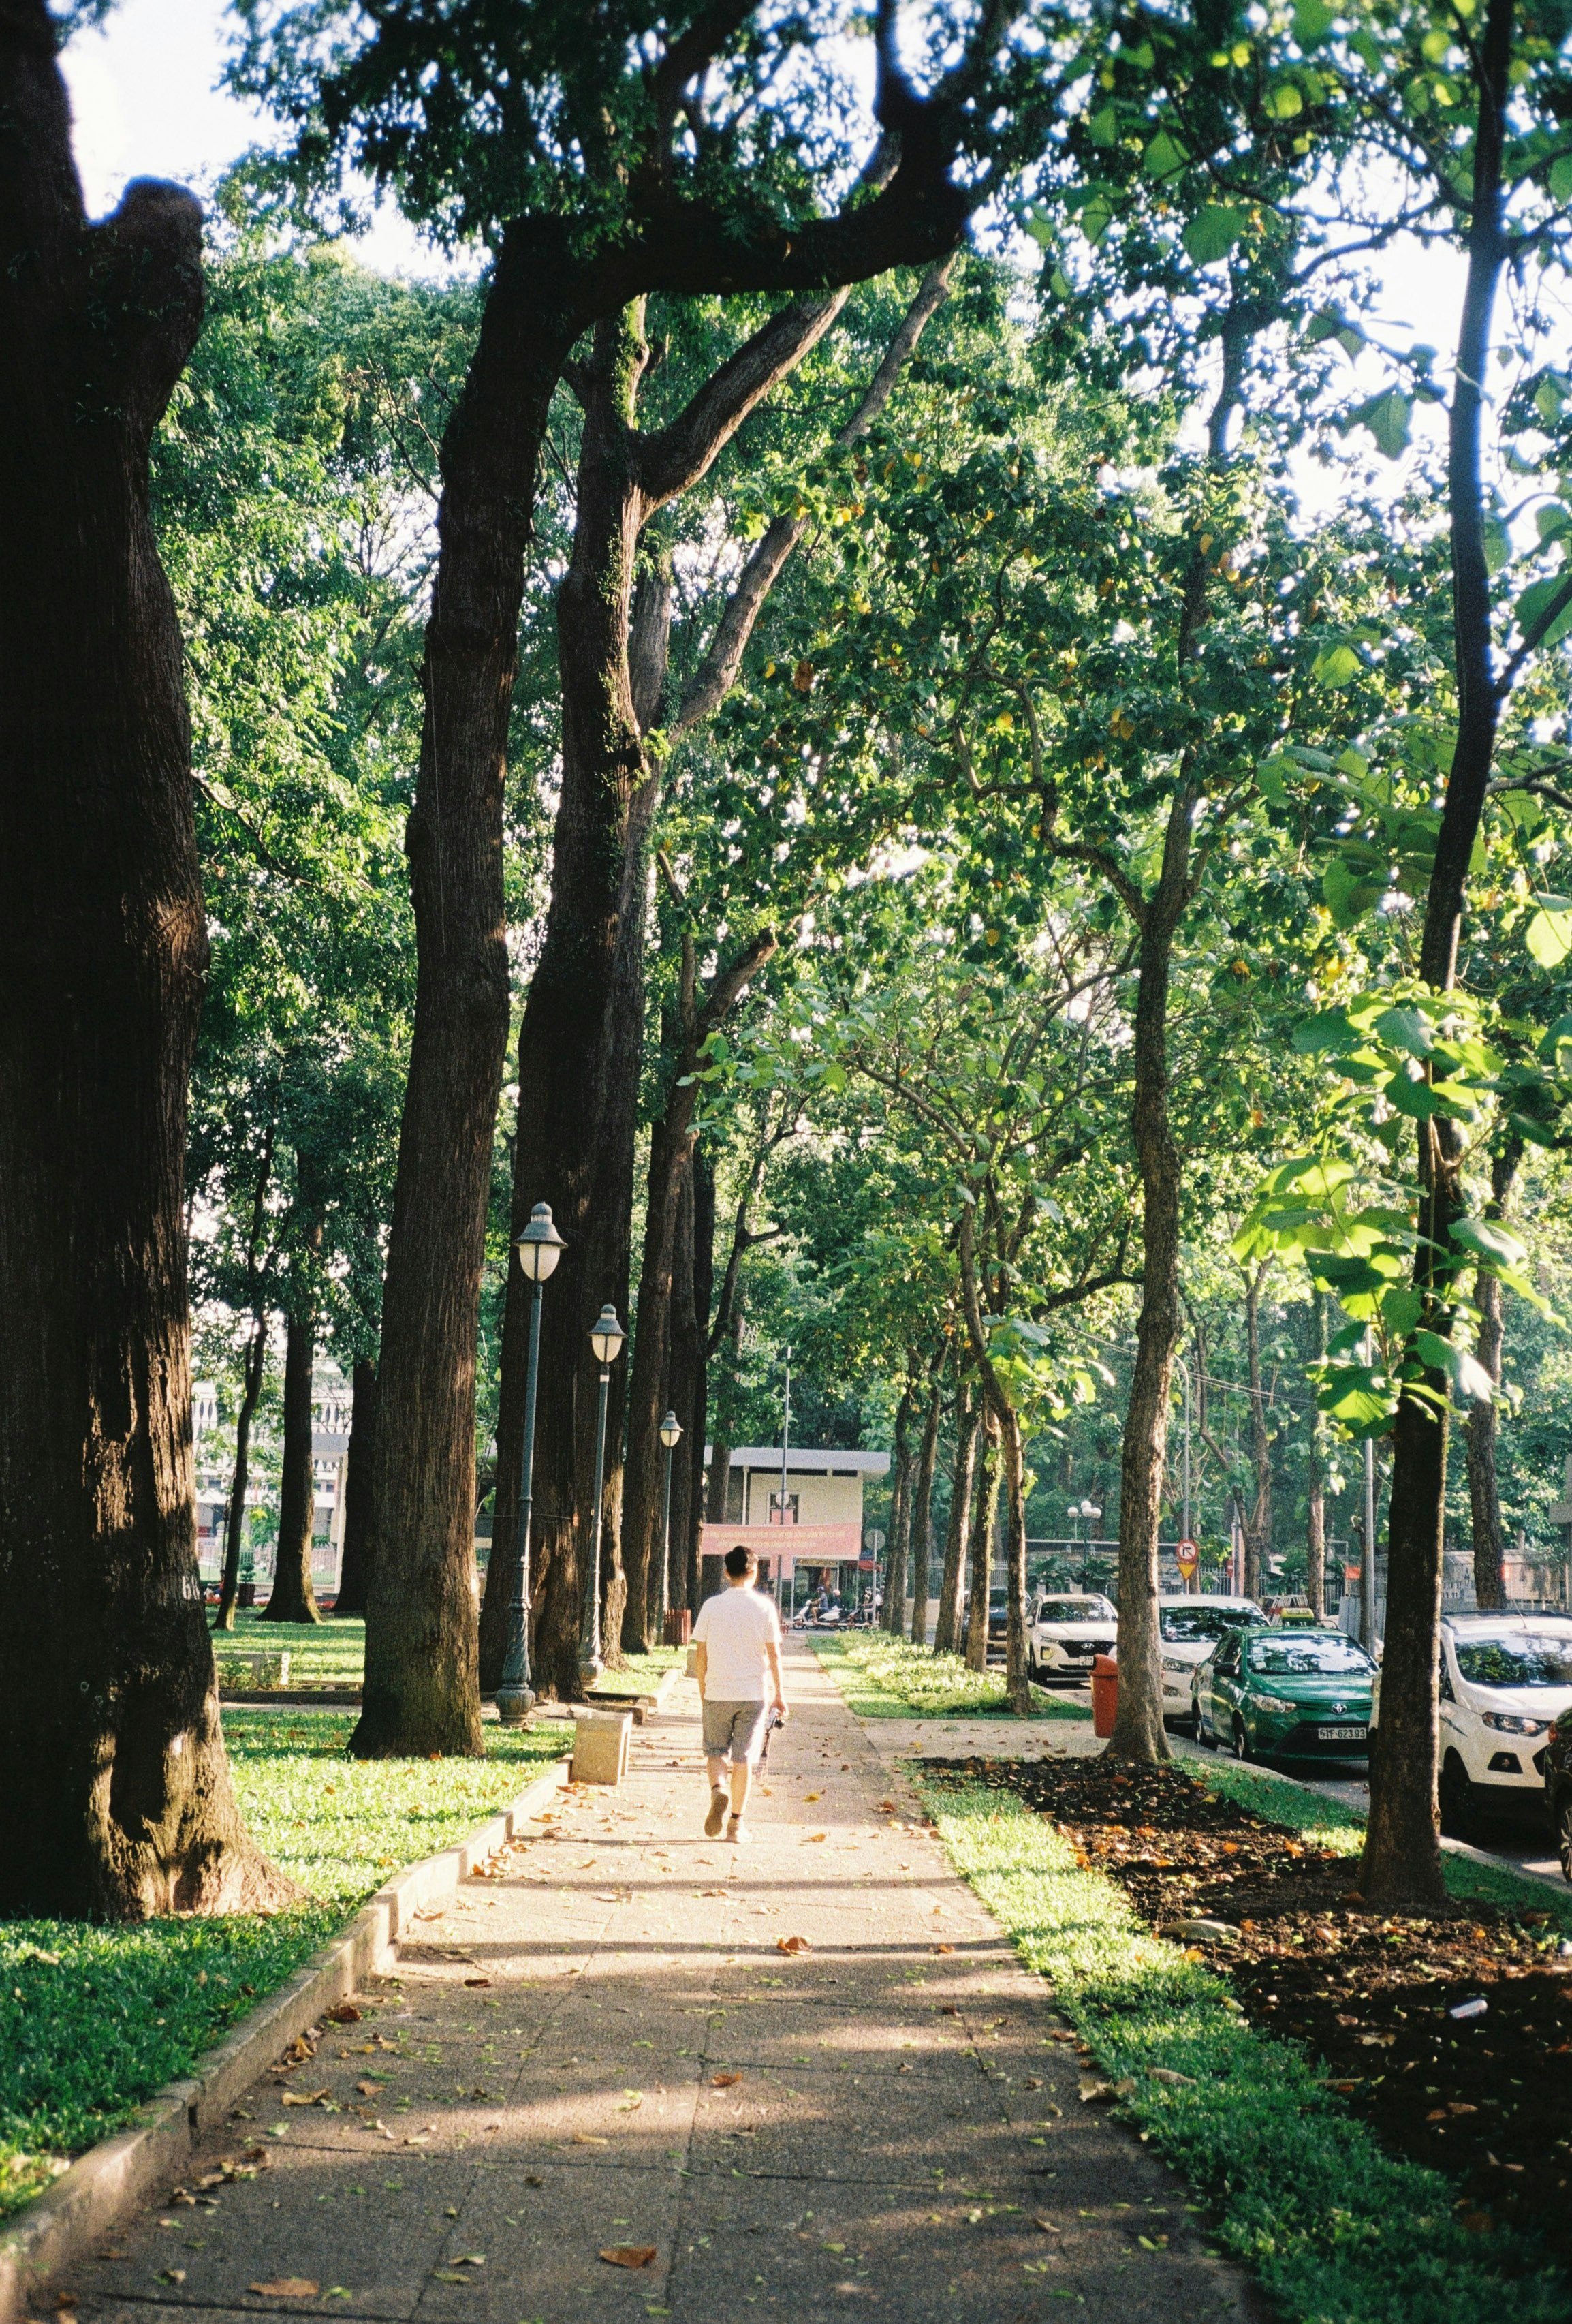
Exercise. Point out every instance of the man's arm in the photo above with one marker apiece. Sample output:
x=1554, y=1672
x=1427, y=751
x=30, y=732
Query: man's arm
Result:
x=701, y=1659
x=772, y=1653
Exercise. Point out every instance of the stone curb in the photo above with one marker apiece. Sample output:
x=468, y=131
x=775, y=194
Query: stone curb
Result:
x=58, y=2230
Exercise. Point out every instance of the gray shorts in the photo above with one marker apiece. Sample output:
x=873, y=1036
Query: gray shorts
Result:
x=734, y=1730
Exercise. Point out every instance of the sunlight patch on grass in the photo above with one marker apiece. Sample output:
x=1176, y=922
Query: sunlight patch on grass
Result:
x=883, y=1677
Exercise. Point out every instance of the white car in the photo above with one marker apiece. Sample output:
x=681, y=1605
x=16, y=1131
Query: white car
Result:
x=1066, y=1630
x=1504, y=1679
x=1189, y=1628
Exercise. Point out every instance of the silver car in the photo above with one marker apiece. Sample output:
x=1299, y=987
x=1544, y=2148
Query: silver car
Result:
x=1066, y=1630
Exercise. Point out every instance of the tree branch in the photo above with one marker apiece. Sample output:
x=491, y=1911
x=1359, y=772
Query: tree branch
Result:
x=676, y=457
x=717, y=672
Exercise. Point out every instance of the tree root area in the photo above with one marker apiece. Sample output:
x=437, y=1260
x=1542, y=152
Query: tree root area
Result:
x=1485, y=2098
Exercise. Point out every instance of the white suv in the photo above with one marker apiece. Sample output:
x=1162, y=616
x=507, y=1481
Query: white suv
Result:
x=1504, y=1680
x=1189, y=1628
x=1065, y=1633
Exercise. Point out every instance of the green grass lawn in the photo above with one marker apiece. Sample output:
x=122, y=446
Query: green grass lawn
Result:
x=93, y=2019
x=329, y=1649
x=336, y=1650
x=1299, y=2189
x=883, y=1677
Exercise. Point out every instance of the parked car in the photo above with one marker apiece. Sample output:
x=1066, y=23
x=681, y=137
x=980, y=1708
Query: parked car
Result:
x=1066, y=1630
x=1505, y=1680
x=1190, y=1628
x=1294, y=1693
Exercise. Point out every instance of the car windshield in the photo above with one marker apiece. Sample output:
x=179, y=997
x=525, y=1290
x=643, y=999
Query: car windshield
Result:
x=1180, y=1624
x=1075, y=1609
x=1327, y=1654
x=1528, y=1658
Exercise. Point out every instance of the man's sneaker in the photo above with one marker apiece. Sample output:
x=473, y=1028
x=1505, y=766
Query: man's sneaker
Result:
x=737, y=1832
x=719, y=1803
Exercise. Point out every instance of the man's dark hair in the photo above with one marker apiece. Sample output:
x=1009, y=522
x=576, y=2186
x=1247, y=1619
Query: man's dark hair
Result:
x=739, y=1560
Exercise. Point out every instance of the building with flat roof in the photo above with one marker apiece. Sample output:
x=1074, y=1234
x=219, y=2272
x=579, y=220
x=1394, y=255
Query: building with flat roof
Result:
x=819, y=1533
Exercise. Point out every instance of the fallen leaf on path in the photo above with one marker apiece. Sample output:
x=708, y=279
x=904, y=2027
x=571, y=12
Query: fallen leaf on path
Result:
x=477, y=1980
x=723, y=2081
x=285, y=2287
x=589, y=2138
x=792, y=1945
x=368, y=2089
x=629, y=2254
x=305, y=2098
x=177, y=2275
x=1092, y=2087
x=347, y=2014
x=809, y=1797
x=944, y=1949
x=631, y=2102
x=1175, y=2080
x=809, y=1837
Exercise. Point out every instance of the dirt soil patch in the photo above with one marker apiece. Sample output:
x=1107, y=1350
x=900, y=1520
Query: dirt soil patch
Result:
x=1485, y=2098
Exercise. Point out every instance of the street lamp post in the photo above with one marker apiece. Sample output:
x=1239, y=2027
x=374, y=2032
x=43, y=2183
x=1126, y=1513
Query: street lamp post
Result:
x=671, y=1428
x=606, y=1337
x=540, y=1247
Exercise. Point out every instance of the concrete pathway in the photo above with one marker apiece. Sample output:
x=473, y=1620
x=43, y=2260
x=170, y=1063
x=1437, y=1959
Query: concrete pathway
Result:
x=808, y=2075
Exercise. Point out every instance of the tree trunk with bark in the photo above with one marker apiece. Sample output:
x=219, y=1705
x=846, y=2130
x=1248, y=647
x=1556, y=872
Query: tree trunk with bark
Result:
x=692, y=1352
x=900, y=1513
x=1258, y=1531
x=354, y=1573
x=117, y=1802
x=582, y=1034
x=251, y=1389
x=1481, y=1428
x=671, y=1148
x=293, y=1597
x=1401, y=1870
x=947, y=1629
x=1316, y=1523
x=1017, y=1684
x=1139, y=1729
x=923, y=1515
x=984, y=1531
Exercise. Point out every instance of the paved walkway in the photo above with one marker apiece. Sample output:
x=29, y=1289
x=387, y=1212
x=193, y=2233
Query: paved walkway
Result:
x=616, y=2041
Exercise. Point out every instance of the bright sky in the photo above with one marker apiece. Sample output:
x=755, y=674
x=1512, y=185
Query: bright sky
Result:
x=147, y=104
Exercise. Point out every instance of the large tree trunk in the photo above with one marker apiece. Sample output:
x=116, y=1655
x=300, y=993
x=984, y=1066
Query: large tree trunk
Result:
x=967, y=1426
x=1258, y=1531
x=691, y=1358
x=900, y=1515
x=1400, y=1871
x=923, y=1516
x=1138, y=1730
x=1017, y=1685
x=355, y=1571
x=984, y=1531
x=1316, y=1523
x=1480, y=1429
x=251, y=1389
x=117, y=1801
x=293, y=1599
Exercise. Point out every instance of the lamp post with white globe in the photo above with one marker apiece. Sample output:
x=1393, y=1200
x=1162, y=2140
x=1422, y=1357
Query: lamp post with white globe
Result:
x=539, y=1248
x=606, y=1338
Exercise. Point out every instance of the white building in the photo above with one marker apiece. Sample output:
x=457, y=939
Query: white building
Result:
x=330, y=1413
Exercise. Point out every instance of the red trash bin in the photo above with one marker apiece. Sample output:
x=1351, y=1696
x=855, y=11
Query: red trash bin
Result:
x=1104, y=1694
x=679, y=1623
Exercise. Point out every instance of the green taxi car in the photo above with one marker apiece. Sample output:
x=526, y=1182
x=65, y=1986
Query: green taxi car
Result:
x=1294, y=1693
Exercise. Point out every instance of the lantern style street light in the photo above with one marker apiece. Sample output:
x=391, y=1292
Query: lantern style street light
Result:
x=539, y=1248
x=671, y=1428
x=606, y=1338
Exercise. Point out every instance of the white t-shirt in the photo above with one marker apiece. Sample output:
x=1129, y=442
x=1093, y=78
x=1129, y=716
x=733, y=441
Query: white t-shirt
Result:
x=736, y=1628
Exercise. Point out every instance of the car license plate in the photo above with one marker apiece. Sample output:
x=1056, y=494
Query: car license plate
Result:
x=1345, y=1735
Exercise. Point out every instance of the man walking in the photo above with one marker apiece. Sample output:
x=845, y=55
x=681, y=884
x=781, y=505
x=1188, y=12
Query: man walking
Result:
x=737, y=1640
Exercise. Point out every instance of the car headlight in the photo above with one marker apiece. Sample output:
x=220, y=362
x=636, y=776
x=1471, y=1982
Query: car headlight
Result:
x=1275, y=1703
x=1505, y=1723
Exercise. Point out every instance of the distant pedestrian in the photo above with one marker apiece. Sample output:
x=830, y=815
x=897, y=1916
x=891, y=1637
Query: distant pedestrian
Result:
x=737, y=1640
